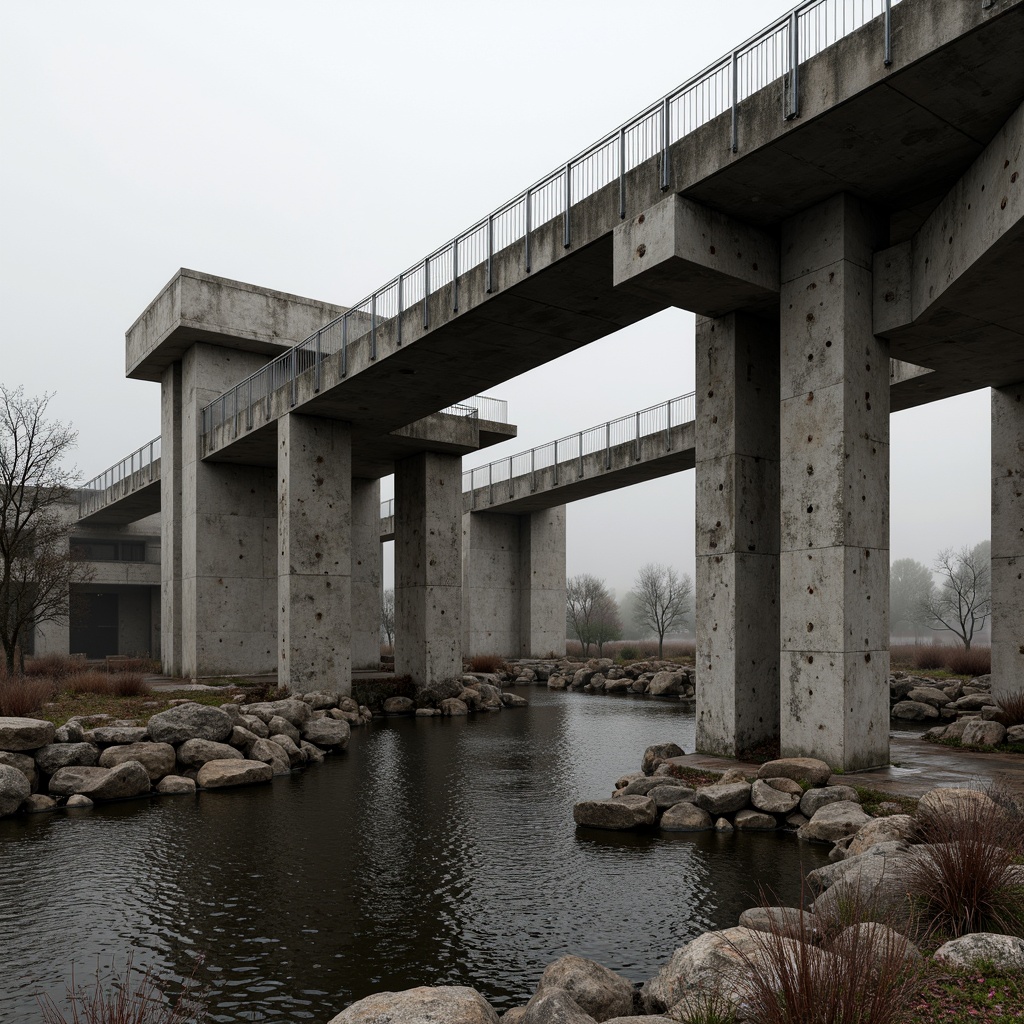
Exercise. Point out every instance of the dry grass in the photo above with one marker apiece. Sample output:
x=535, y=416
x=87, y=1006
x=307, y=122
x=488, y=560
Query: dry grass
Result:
x=54, y=666
x=636, y=650
x=1011, y=708
x=115, y=684
x=486, y=663
x=975, y=662
x=941, y=658
x=22, y=696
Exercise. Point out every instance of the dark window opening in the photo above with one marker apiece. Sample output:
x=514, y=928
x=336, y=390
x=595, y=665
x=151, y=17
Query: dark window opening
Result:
x=109, y=550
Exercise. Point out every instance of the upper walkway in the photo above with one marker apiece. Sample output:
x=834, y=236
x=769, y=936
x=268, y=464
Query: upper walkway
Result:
x=908, y=108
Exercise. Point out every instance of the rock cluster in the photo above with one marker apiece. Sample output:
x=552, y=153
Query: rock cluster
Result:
x=920, y=699
x=475, y=691
x=187, y=747
x=787, y=793
x=602, y=675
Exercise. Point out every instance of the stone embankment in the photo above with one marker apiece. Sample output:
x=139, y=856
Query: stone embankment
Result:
x=858, y=904
x=602, y=675
x=196, y=746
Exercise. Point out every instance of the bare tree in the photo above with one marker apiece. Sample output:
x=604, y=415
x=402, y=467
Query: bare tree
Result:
x=662, y=599
x=590, y=612
x=37, y=569
x=962, y=602
x=911, y=587
x=387, y=616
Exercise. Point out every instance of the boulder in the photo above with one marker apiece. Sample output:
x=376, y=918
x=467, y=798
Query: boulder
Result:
x=665, y=796
x=448, y=1004
x=980, y=733
x=928, y=695
x=320, y=700
x=733, y=796
x=14, y=790
x=327, y=732
x=78, y=802
x=55, y=756
x=956, y=803
x=799, y=769
x=754, y=821
x=195, y=753
x=1015, y=734
x=190, y=721
x=814, y=799
x=18, y=734
x=1005, y=953
x=914, y=711
x=665, y=683
x=775, y=796
x=119, y=734
x=883, y=941
x=38, y=803
x=256, y=726
x=787, y=921
x=271, y=753
x=898, y=828
x=556, y=682
x=233, y=711
x=297, y=712
x=232, y=772
x=118, y=783
x=157, y=758
x=595, y=989
x=513, y=700
x=70, y=732
x=873, y=885
x=658, y=752
x=399, y=706
x=24, y=764
x=834, y=821
x=685, y=817
x=176, y=785
x=452, y=706
x=314, y=755
x=279, y=726
x=626, y=812
x=643, y=785
x=723, y=825
x=554, y=1006
x=290, y=747
x=242, y=738
x=975, y=701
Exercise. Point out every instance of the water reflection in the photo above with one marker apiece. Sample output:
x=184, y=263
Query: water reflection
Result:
x=434, y=851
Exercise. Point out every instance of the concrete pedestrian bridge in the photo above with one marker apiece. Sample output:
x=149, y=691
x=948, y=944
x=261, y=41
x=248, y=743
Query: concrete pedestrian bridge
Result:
x=839, y=200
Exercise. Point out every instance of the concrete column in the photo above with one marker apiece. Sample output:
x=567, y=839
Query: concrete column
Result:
x=170, y=520
x=228, y=533
x=367, y=573
x=1007, y=539
x=834, y=494
x=314, y=528
x=428, y=567
x=737, y=463
x=542, y=583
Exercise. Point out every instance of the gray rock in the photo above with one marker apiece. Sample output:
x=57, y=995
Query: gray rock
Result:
x=955, y=802
x=1015, y=734
x=118, y=783
x=121, y=734
x=666, y=683
x=1004, y=952
x=452, y=707
x=190, y=721
x=39, y=803
x=256, y=726
x=814, y=799
x=897, y=828
x=974, y=701
x=297, y=712
x=14, y=790
x=232, y=772
x=24, y=763
x=626, y=812
x=55, y=756
x=450, y=1004
x=513, y=700
x=665, y=796
x=320, y=700
x=399, y=706
x=597, y=990
x=18, y=734
x=176, y=785
x=291, y=749
x=242, y=738
x=195, y=753
x=556, y=682
x=833, y=821
x=279, y=726
x=233, y=711
x=554, y=1006
x=799, y=769
x=685, y=817
x=980, y=733
x=929, y=695
x=273, y=754
x=327, y=732
x=881, y=939
x=657, y=753
x=754, y=821
x=723, y=825
x=428, y=713
x=914, y=711
x=643, y=785
x=775, y=796
x=873, y=884
x=733, y=796
x=787, y=921
x=79, y=802
x=69, y=732
x=314, y=755
x=937, y=732
x=157, y=758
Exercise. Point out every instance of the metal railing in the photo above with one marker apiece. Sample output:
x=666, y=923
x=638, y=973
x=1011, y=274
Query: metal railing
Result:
x=92, y=495
x=634, y=427
x=387, y=508
x=774, y=52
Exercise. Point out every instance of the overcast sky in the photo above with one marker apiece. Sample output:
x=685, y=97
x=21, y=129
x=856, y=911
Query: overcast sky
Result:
x=320, y=148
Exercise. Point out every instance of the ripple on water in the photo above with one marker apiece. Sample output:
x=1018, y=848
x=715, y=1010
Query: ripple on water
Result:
x=434, y=851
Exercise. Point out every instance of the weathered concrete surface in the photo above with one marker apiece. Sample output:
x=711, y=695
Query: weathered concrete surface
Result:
x=737, y=531
x=428, y=568
x=1007, y=540
x=834, y=495
x=367, y=574
x=314, y=528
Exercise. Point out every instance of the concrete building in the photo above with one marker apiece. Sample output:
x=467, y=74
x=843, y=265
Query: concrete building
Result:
x=828, y=198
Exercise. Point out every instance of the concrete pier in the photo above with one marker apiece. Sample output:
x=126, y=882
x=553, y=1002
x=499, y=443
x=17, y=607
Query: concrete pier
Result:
x=367, y=574
x=1007, y=540
x=737, y=532
x=314, y=583
x=834, y=493
x=428, y=567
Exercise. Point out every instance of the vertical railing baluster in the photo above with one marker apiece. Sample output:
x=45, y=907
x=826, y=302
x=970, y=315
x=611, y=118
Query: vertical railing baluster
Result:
x=888, y=33
x=426, y=293
x=638, y=435
x=794, y=66
x=490, y=253
x=510, y=477
x=455, y=276
x=608, y=444
x=566, y=229
x=664, y=143
x=293, y=368
x=533, y=470
x=490, y=483
x=735, y=139
x=556, y=463
x=528, y=227
x=248, y=407
x=373, y=326
x=344, y=345
x=668, y=426
x=316, y=365
x=622, y=173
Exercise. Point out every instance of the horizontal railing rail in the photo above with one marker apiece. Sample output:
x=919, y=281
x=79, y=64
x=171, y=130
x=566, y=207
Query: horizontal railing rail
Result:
x=92, y=495
x=773, y=53
x=634, y=427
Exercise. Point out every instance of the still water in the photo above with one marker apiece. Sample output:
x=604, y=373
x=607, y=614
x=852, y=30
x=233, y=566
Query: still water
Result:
x=435, y=851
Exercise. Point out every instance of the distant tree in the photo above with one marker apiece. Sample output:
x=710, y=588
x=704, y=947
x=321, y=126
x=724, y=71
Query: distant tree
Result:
x=911, y=588
x=37, y=569
x=387, y=616
x=591, y=615
x=632, y=628
x=662, y=599
x=962, y=602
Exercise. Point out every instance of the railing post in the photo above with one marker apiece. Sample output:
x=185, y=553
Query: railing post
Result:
x=622, y=173
x=426, y=293
x=533, y=470
x=270, y=392
x=664, y=143
x=490, y=252
x=373, y=326
x=248, y=407
x=235, y=393
x=528, y=227
x=344, y=344
x=151, y=461
x=510, y=491
x=638, y=436
x=580, y=442
x=735, y=135
x=888, y=33
x=793, y=108
x=455, y=276
x=293, y=361
x=608, y=444
x=316, y=365
x=490, y=483
x=668, y=425
x=556, y=463
x=566, y=228
x=399, y=318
